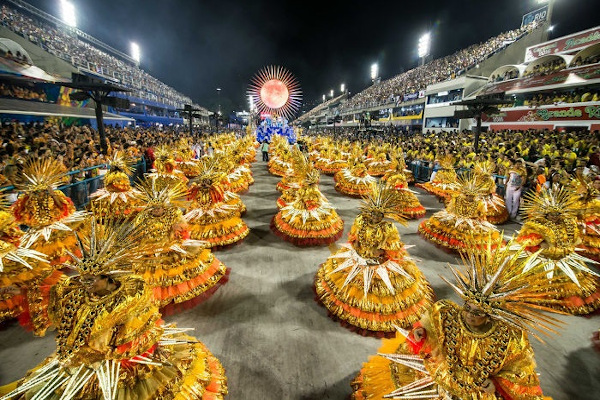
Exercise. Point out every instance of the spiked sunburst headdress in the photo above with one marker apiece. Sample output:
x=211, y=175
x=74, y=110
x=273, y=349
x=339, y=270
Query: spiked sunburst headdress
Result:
x=119, y=162
x=383, y=201
x=583, y=186
x=158, y=192
x=109, y=247
x=494, y=280
x=559, y=201
x=469, y=184
x=40, y=175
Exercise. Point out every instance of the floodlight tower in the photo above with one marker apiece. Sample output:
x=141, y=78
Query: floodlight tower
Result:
x=343, y=88
x=67, y=10
x=424, y=46
x=374, y=72
x=331, y=93
x=135, y=53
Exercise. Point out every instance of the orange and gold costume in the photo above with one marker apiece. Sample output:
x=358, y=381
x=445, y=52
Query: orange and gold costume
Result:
x=354, y=181
x=408, y=203
x=371, y=284
x=310, y=220
x=462, y=224
x=496, y=212
x=115, y=346
x=183, y=269
x=557, y=238
x=442, y=185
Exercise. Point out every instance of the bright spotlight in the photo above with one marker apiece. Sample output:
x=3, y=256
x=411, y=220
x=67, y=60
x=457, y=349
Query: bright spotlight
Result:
x=424, y=43
x=331, y=93
x=551, y=28
x=67, y=10
x=251, y=102
x=135, y=52
x=342, y=88
x=324, y=97
x=374, y=71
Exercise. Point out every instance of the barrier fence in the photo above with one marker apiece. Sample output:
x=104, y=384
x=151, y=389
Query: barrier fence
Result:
x=84, y=182
x=422, y=171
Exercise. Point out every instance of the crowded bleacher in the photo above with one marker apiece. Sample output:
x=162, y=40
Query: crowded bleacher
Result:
x=81, y=54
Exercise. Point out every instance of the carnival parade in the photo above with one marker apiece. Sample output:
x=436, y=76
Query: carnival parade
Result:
x=432, y=233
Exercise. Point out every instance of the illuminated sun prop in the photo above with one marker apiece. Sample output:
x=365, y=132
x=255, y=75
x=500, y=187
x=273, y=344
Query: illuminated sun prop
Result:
x=275, y=90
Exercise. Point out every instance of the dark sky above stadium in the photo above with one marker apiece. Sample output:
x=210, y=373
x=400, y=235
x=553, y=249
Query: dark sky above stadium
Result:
x=198, y=46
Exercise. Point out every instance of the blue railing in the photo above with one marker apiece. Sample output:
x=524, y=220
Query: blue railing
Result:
x=422, y=171
x=79, y=190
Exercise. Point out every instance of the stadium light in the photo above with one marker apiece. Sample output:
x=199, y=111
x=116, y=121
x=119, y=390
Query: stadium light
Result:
x=324, y=97
x=135, y=52
x=331, y=93
x=342, y=88
x=251, y=102
x=374, y=71
x=67, y=10
x=551, y=28
x=424, y=43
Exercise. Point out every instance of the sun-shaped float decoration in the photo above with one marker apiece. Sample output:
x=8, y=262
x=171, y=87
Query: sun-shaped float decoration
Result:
x=276, y=91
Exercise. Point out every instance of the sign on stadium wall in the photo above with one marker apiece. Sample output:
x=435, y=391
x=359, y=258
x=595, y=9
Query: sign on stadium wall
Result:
x=586, y=72
x=579, y=113
x=565, y=44
x=538, y=15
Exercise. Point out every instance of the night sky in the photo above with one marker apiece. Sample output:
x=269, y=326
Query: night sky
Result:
x=197, y=46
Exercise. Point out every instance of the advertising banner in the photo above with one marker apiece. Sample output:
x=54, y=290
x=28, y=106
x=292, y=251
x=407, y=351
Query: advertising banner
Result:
x=565, y=113
x=538, y=15
x=569, y=43
x=587, y=72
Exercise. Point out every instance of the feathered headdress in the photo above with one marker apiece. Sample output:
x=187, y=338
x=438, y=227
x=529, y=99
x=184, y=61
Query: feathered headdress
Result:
x=119, y=162
x=382, y=200
x=158, y=192
x=494, y=280
x=559, y=201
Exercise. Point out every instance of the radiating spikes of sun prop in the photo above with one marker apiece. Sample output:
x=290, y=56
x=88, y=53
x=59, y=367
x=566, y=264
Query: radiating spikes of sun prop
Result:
x=275, y=90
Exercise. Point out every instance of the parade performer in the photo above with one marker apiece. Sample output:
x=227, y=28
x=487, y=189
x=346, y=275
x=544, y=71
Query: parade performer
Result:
x=408, y=203
x=165, y=166
x=496, y=212
x=184, y=159
x=479, y=350
x=371, y=283
x=212, y=218
x=279, y=157
x=442, y=182
x=354, y=180
x=551, y=228
x=184, y=268
x=239, y=174
x=117, y=197
x=378, y=164
x=24, y=276
x=588, y=216
x=462, y=223
x=111, y=342
x=310, y=220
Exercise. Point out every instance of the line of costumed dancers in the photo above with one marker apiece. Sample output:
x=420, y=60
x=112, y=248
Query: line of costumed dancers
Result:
x=439, y=349
x=103, y=278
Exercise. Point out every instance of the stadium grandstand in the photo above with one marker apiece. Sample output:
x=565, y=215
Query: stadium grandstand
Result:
x=46, y=52
x=401, y=99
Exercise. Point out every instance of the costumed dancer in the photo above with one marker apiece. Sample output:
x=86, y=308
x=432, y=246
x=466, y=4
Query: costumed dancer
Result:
x=117, y=197
x=183, y=269
x=588, y=217
x=184, y=159
x=408, y=204
x=378, y=164
x=22, y=273
x=310, y=220
x=239, y=174
x=441, y=183
x=551, y=228
x=111, y=342
x=371, y=283
x=462, y=223
x=295, y=180
x=211, y=217
x=354, y=181
x=479, y=350
x=336, y=163
x=51, y=221
x=279, y=157
x=496, y=212
x=165, y=166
